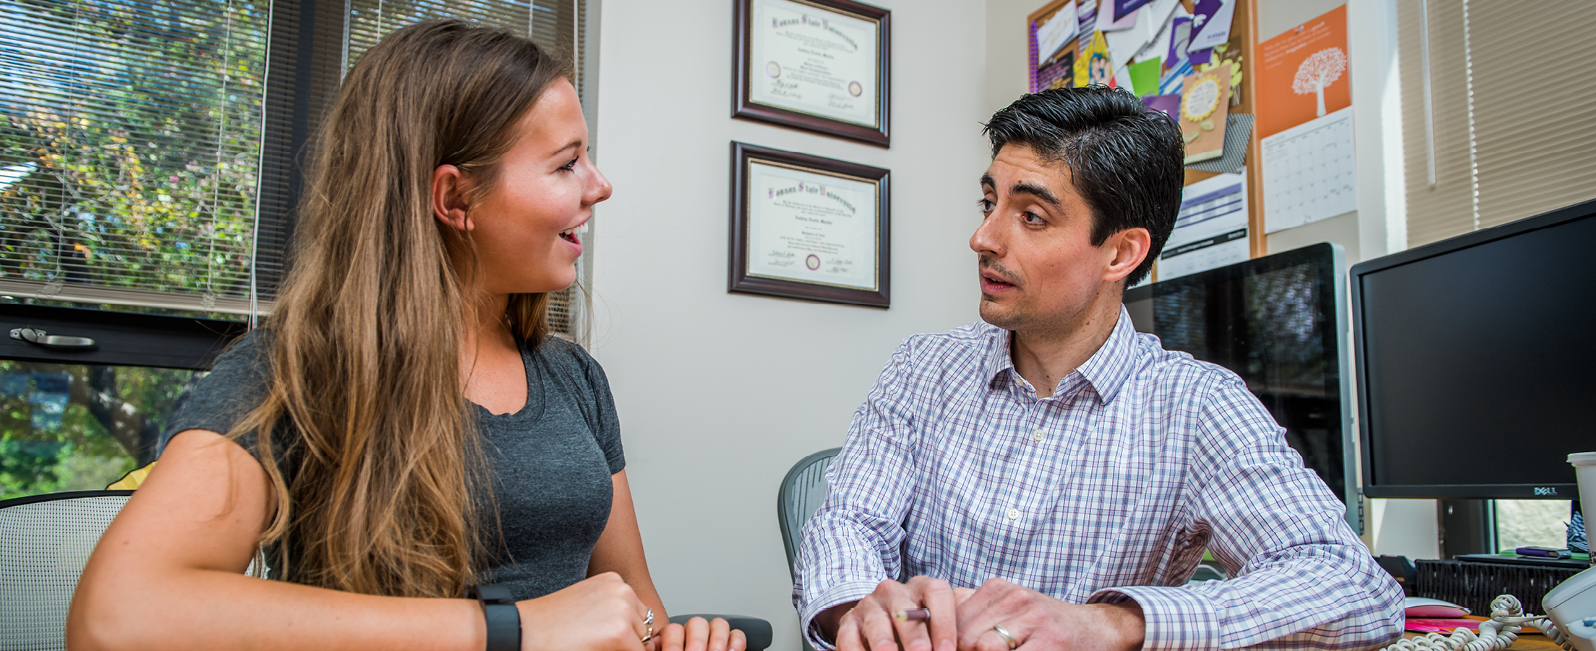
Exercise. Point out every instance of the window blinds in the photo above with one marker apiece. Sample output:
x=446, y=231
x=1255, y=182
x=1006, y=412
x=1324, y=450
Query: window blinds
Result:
x=1504, y=137
x=1535, y=125
x=128, y=150
x=149, y=151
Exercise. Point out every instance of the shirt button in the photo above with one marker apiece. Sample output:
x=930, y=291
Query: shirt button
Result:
x=1038, y=435
x=1014, y=514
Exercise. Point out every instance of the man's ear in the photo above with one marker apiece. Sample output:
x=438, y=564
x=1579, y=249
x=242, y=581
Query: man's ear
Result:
x=1126, y=250
x=449, y=197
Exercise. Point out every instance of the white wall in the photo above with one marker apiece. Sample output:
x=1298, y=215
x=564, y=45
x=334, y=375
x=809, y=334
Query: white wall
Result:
x=719, y=394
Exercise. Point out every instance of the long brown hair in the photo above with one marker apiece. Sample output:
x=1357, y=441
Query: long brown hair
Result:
x=366, y=333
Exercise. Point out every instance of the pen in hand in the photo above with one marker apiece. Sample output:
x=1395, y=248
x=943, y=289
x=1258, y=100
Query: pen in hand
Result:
x=913, y=615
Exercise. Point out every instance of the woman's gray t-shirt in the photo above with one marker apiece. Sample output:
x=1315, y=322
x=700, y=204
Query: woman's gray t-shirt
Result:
x=550, y=462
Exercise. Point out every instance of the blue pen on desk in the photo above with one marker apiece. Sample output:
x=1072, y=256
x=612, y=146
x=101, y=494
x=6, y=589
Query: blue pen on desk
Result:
x=1544, y=552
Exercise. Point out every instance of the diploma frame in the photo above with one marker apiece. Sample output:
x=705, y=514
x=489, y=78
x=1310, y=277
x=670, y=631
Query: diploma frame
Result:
x=742, y=84
x=740, y=281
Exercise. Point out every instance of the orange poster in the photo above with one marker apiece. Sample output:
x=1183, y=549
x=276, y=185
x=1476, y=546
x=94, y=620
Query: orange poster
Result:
x=1302, y=74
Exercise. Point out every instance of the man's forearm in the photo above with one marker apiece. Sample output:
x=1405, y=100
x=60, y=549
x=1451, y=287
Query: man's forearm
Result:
x=826, y=622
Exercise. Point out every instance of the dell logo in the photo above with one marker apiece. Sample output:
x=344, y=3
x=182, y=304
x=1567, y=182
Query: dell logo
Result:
x=1541, y=491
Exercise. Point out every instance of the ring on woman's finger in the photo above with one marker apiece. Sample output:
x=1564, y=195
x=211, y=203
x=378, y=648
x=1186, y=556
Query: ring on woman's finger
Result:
x=648, y=624
x=1004, y=633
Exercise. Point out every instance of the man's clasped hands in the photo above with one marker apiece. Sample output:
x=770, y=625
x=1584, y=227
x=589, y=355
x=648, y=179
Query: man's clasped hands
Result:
x=999, y=616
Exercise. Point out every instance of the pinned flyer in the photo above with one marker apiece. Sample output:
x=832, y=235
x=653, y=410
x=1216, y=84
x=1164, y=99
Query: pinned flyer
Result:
x=1093, y=66
x=1204, y=103
x=1212, y=23
x=1303, y=73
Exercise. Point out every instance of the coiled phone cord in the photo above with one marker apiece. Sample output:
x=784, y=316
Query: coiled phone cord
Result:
x=1507, y=619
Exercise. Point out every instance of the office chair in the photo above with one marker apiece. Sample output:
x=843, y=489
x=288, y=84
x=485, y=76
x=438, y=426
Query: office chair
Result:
x=801, y=492
x=44, y=542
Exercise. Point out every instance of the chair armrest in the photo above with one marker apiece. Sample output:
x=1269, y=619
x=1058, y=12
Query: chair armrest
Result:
x=758, y=630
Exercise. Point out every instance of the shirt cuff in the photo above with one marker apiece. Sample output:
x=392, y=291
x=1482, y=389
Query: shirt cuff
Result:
x=840, y=593
x=1176, y=618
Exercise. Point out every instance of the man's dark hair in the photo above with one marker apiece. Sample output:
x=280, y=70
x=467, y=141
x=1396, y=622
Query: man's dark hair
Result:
x=1127, y=160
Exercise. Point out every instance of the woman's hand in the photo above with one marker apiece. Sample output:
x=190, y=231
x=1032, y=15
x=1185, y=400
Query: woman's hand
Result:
x=601, y=613
x=699, y=635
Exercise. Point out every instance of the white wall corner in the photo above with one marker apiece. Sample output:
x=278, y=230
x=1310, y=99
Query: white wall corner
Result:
x=1377, y=119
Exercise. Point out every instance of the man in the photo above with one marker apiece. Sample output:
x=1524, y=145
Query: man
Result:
x=1068, y=467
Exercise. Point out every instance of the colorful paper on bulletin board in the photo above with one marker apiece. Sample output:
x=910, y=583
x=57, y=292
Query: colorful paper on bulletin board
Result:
x=1087, y=13
x=1168, y=104
x=1093, y=66
x=1144, y=76
x=1211, y=23
x=1204, y=103
x=1057, y=73
x=1174, y=79
x=1107, y=23
x=1052, y=62
x=1127, y=45
x=1179, y=37
x=1228, y=55
x=1302, y=74
x=1123, y=7
x=1053, y=31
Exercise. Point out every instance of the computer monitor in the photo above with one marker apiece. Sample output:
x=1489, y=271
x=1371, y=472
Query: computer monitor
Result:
x=1278, y=322
x=1476, y=361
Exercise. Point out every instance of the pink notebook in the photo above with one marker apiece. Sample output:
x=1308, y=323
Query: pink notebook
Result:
x=1442, y=626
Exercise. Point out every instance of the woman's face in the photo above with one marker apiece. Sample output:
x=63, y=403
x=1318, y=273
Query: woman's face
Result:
x=545, y=190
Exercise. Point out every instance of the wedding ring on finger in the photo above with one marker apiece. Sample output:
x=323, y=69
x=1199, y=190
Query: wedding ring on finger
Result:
x=1004, y=633
x=648, y=623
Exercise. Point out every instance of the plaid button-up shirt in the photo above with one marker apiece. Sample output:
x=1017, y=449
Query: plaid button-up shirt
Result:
x=1110, y=489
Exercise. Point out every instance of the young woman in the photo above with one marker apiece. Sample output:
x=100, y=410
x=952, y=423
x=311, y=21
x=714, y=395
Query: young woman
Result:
x=426, y=433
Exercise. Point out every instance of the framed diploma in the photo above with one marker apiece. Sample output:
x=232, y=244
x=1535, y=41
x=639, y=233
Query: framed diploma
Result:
x=820, y=65
x=808, y=227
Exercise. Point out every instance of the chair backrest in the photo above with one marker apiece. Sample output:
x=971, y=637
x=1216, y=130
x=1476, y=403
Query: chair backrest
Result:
x=801, y=493
x=45, y=540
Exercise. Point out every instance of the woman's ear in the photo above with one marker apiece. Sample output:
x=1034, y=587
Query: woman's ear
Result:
x=449, y=197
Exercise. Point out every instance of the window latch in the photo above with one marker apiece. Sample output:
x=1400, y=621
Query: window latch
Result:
x=42, y=339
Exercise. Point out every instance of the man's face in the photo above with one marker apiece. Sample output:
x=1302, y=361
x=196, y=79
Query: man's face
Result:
x=1039, y=269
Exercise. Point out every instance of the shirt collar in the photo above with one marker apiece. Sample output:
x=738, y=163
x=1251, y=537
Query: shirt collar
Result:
x=1106, y=370
x=1110, y=367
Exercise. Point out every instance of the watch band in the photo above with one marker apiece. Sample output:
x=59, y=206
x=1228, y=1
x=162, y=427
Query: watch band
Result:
x=503, y=618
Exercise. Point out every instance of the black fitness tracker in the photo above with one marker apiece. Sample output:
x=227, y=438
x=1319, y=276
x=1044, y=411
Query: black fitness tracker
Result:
x=503, y=618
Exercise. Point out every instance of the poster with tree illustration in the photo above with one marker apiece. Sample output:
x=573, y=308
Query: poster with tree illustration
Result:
x=1303, y=73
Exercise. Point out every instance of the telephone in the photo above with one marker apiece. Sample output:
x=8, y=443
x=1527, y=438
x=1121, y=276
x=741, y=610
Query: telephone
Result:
x=1572, y=607
x=1570, y=621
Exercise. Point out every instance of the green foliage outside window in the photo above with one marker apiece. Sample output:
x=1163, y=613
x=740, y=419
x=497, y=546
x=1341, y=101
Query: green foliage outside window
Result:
x=129, y=134
x=75, y=427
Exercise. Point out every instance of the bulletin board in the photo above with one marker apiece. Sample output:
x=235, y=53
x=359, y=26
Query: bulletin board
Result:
x=1243, y=28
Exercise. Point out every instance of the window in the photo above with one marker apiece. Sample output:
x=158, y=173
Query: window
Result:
x=1532, y=523
x=1489, y=138
x=148, y=170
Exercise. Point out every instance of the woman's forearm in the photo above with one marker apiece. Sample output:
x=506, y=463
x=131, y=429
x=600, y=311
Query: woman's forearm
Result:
x=207, y=609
